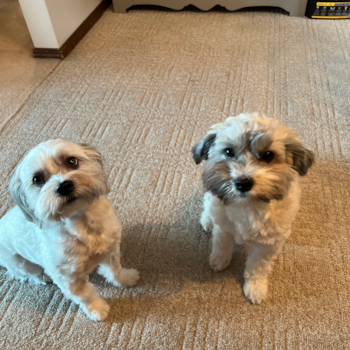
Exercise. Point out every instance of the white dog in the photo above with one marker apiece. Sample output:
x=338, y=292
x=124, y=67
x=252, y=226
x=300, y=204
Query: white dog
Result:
x=63, y=226
x=251, y=179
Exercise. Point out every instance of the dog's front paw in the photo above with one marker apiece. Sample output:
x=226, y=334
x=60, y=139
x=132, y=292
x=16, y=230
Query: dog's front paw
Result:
x=206, y=223
x=218, y=261
x=255, y=290
x=127, y=277
x=97, y=310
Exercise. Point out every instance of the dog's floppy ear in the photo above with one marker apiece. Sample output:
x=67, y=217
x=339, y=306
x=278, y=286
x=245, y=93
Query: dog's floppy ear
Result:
x=91, y=152
x=302, y=157
x=201, y=149
x=17, y=193
x=96, y=156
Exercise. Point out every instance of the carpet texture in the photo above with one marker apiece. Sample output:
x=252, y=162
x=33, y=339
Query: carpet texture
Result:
x=143, y=88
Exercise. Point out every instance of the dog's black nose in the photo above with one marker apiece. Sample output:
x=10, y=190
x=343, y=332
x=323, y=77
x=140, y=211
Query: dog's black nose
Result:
x=65, y=188
x=244, y=184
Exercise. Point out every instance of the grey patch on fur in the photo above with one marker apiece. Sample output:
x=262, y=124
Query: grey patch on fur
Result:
x=19, y=197
x=200, y=150
x=239, y=144
x=302, y=157
x=260, y=143
x=217, y=180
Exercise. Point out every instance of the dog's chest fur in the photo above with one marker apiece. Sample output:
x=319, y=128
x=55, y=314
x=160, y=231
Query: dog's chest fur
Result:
x=256, y=220
x=86, y=239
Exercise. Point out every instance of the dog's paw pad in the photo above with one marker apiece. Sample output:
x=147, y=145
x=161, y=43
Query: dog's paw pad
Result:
x=255, y=290
x=97, y=310
x=219, y=262
x=127, y=277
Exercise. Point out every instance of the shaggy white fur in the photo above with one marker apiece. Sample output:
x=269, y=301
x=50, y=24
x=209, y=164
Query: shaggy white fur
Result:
x=63, y=226
x=251, y=175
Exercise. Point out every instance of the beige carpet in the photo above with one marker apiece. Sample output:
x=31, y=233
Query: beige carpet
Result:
x=144, y=87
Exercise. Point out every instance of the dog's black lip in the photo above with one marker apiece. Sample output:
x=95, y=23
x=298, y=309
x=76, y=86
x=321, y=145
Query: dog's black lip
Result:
x=71, y=200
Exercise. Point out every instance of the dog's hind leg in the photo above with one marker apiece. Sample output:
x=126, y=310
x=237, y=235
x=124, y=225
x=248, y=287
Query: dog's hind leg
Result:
x=24, y=270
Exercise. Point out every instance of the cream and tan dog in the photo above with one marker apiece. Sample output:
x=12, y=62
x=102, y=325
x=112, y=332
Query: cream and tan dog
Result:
x=63, y=225
x=251, y=178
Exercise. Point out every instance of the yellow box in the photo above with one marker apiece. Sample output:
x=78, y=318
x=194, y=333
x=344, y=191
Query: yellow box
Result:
x=329, y=17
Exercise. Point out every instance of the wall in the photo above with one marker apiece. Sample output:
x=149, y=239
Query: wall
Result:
x=52, y=22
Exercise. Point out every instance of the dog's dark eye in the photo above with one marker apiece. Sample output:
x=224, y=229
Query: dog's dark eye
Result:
x=38, y=180
x=72, y=162
x=268, y=156
x=229, y=153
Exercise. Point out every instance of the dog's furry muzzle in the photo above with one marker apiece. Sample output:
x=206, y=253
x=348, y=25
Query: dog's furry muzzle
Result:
x=87, y=188
x=269, y=184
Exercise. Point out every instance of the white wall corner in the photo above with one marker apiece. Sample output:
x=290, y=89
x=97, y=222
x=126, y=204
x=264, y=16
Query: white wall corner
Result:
x=67, y=15
x=39, y=23
x=52, y=22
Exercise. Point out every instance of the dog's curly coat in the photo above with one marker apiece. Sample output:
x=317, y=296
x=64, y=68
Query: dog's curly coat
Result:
x=251, y=178
x=63, y=225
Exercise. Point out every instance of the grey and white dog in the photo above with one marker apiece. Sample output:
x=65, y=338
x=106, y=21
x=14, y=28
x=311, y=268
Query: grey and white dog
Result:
x=251, y=177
